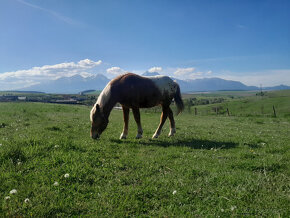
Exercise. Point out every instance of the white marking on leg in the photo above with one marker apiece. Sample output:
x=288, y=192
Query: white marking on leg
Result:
x=156, y=134
x=172, y=132
x=123, y=135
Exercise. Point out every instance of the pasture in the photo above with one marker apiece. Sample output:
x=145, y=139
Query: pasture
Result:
x=214, y=166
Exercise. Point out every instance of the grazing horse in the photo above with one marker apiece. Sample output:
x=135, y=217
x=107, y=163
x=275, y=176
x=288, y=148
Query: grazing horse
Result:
x=134, y=91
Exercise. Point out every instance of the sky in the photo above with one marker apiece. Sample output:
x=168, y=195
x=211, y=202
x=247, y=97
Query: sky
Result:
x=242, y=40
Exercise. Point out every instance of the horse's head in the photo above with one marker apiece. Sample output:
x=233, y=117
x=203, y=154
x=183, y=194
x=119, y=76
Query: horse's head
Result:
x=99, y=122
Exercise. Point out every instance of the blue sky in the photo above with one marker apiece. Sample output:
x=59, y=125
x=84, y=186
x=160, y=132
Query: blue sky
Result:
x=240, y=40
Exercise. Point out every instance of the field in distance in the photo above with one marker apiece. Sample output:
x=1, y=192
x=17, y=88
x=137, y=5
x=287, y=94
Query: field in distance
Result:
x=216, y=165
x=240, y=103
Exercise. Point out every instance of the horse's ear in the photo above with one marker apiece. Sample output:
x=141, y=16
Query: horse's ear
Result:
x=97, y=108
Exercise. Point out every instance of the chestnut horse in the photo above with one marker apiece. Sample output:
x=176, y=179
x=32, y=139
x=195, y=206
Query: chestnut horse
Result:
x=134, y=91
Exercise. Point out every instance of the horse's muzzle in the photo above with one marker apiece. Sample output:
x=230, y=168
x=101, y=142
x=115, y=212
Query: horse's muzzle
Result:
x=95, y=136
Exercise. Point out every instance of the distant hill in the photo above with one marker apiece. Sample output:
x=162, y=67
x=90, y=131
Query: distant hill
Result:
x=86, y=92
x=213, y=84
x=207, y=84
x=77, y=84
x=23, y=92
x=280, y=87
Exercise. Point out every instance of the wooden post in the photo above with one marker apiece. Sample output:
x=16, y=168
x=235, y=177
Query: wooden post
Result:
x=195, y=111
x=274, y=111
x=228, y=111
x=216, y=110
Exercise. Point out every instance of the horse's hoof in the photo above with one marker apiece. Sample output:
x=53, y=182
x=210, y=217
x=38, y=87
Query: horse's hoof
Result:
x=138, y=136
x=170, y=134
x=122, y=136
x=155, y=136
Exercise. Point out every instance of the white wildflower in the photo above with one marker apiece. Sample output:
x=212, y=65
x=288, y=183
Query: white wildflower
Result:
x=56, y=146
x=7, y=198
x=56, y=184
x=233, y=208
x=26, y=200
x=0, y=144
x=66, y=175
x=174, y=192
x=222, y=210
x=13, y=191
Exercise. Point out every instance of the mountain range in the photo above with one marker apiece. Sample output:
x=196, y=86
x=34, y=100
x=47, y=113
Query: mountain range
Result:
x=77, y=83
x=71, y=85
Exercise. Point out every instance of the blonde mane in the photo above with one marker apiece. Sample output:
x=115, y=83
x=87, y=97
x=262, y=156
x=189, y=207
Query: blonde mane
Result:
x=102, y=99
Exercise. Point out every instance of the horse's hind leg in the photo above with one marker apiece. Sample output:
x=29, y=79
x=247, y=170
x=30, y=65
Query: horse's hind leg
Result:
x=126, y=111
x=172, y=123
x=162, y=121
x=136, y=114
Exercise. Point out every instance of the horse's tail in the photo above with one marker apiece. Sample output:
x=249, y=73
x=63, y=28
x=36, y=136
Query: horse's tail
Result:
x=178, y=100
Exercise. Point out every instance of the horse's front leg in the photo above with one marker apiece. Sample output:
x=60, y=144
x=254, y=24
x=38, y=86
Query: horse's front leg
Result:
x=126, y=111
x=163, y=118
x=136, y=113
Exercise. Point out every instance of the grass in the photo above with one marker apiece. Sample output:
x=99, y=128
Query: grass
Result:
x=214, y=166
x=249, y=105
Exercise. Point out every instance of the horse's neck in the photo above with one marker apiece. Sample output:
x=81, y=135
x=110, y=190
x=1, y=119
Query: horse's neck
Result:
x=107, y=100
x=108, y=107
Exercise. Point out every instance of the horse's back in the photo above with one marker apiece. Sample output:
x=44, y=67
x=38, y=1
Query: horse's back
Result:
x=165, y=84
x=137, y=91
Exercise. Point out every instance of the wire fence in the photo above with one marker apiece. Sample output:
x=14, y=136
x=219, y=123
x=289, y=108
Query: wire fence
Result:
x=219, y=110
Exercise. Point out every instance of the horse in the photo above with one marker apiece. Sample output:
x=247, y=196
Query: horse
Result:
x=134, y=91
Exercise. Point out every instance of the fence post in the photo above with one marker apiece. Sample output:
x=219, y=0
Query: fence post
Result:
x=274, y=111
x=195, y=111
x=228, y=112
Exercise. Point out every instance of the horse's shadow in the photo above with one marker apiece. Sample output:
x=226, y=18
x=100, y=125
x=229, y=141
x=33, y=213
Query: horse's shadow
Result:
x=188, y=142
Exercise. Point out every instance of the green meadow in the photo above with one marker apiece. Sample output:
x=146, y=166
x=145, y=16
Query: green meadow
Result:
x=215, y=165
x=247, y=104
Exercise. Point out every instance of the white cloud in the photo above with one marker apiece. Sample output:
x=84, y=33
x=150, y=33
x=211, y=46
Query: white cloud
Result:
x=184, y=71
x=115, y=71
x=89, y=63
x=189, y=73
x=155, y=69
x=24, y=78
